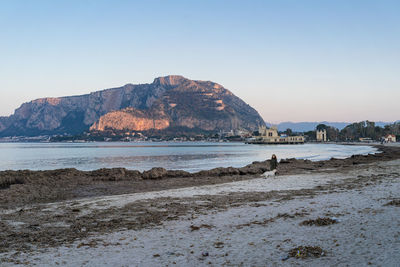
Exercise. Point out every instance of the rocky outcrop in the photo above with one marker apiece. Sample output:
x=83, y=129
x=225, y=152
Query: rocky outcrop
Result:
x=168, y=101
x=130, y=119
x=155, y=173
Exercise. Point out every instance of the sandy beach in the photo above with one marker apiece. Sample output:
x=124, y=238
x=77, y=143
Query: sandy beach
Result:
x=199, y=133
x=338, y=212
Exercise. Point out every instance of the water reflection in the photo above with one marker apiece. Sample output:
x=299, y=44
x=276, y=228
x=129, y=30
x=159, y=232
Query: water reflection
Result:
x=187, y=156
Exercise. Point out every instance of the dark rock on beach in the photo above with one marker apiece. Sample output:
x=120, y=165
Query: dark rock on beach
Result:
x=303, y=252
x=319, y=222
x=155, y=173
x=115, y=174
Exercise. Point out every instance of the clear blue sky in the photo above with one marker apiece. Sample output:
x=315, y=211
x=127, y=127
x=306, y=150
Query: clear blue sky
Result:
x=291, y=60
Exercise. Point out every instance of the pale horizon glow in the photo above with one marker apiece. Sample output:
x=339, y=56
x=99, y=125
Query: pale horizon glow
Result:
x=290, y=60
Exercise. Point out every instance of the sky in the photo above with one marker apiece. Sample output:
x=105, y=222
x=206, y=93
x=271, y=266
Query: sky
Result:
x=290, y=60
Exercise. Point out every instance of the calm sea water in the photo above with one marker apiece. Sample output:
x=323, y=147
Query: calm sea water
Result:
x=190, y=156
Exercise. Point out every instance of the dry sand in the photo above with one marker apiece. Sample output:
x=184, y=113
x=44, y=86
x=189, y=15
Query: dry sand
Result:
x=241, y=220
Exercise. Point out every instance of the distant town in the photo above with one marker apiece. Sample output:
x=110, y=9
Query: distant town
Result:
x=363, y=132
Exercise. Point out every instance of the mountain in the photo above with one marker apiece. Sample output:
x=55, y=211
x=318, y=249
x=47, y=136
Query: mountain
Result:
x=171, y=101
x=310, y=126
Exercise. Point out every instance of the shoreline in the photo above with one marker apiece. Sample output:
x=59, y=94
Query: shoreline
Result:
x=26, y=186
x=210, y=214
x=142, y=157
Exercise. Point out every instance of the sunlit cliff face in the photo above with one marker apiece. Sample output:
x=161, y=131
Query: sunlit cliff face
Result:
x=128, y=120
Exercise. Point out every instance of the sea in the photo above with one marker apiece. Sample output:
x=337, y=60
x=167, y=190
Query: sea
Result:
x=189, y=156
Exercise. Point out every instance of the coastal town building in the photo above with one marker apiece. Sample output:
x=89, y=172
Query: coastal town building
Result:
x=321, y=135
x=237, y=132
x=271, y=136
x=390, y=138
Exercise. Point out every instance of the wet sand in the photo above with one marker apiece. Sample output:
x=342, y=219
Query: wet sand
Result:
x=76, y=214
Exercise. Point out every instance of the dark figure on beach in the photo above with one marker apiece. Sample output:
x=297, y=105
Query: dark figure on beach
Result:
x=273, y=163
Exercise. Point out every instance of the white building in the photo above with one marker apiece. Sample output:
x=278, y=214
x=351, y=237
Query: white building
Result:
x=321, y=135
x=390, y=138
x=271, y=136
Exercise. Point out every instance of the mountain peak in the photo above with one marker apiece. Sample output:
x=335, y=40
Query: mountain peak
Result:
x=171, y=80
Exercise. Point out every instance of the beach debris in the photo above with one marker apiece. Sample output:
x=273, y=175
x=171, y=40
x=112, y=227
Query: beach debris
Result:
x=264, y=222
x=253, y=169
x=8, y=180
x=34, y=227
x=219, y=172
x=394, y=202
x=114, y=174
x=284, y=258
x=156, y=255
x=106, y=244
x=91, y=244
x=178, y=173
x=159, y=173
x=293, y=215
x=320, y=222
x=219, y=244
x=154, y=173
x=273, y=219
x=205, y=254
x=195, y=228
x=303, y=252
x=285, y=215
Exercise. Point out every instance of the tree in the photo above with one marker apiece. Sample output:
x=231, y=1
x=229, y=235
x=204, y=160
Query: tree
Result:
x=332, y=133
x=310, y=135
x=367, y=129
x=289, y=132
x=321, y=127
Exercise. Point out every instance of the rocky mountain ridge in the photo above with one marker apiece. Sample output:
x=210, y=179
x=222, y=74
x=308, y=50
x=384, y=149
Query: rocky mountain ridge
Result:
x=168, y=101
